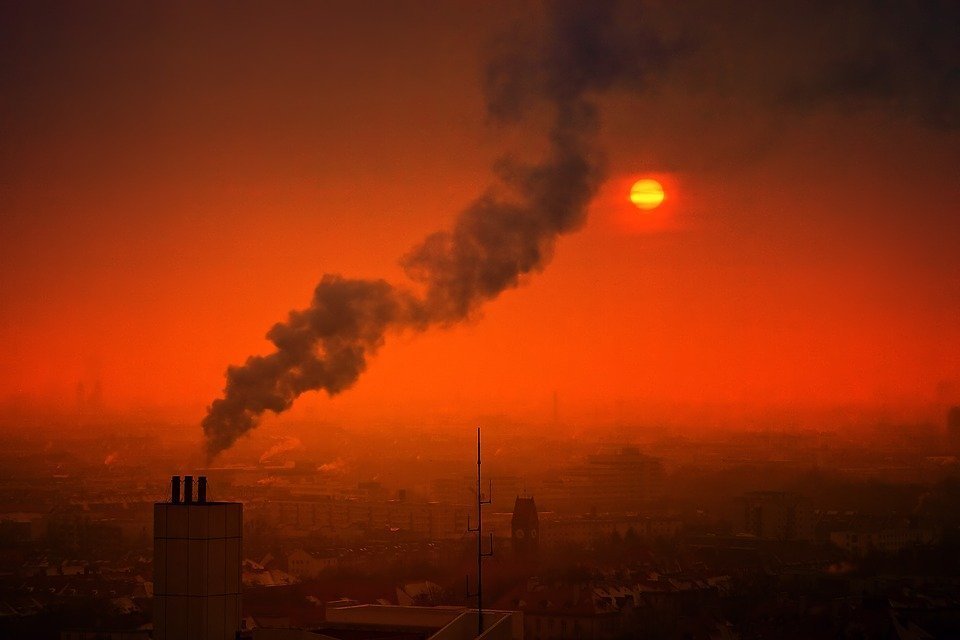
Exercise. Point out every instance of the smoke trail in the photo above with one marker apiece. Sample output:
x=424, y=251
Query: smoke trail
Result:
x=324, y=346
x=287, y=443
x=493, y=243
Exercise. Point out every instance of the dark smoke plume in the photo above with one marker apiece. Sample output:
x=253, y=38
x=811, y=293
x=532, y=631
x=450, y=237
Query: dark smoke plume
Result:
x=901, y=55
x=494, y=241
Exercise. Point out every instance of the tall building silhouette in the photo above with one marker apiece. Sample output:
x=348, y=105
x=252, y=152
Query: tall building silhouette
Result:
x=196, y=565
x=525, y=528
x=953, y=427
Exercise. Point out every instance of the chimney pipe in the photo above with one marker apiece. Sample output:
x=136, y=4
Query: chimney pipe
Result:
x=202, y=490
x=188, y=489
x=175, y=489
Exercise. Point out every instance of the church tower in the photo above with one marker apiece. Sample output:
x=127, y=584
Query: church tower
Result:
x=525, y=528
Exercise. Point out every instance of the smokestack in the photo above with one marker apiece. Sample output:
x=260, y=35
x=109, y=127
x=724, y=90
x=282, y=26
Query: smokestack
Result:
x=175, y=489
x=202, y=490
x=187, y=489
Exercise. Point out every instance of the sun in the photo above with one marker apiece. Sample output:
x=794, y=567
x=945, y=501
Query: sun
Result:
x=647, y=194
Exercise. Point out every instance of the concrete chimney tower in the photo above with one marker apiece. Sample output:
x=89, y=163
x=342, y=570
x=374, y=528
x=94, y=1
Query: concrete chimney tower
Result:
x=196, y=565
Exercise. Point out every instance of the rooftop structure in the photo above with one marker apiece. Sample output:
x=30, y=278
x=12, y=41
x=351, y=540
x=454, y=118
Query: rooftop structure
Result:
x=363, y=622
x=196, y=565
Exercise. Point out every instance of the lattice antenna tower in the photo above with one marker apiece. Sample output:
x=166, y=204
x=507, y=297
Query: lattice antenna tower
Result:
x=481, y=554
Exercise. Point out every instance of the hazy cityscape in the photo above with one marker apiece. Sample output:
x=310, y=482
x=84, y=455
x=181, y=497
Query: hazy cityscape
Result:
x=750, y=534
x=496, y=320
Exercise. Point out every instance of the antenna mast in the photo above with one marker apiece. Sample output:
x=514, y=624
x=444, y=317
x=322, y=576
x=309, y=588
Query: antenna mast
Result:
x=481, y=554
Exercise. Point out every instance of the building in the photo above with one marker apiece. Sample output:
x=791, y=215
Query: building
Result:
x=556, y=531
x=525, y=528
x=777, y=515
x=889, y=539
x=306, y=564
x=379, y=622
x=624, y=481
x=555, y=613
x=196, y=565
x=353, y=519
x=953, y=427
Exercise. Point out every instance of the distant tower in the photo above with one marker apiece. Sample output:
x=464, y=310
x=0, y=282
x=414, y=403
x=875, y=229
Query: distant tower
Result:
x=953, y=427
x=525, y=528
x=196, y=565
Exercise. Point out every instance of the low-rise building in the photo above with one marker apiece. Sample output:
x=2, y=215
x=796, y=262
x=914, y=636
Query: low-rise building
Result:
x=862, y=541
x=558, y=531
x=777, y=515
x=306, y=564
x=361, y=622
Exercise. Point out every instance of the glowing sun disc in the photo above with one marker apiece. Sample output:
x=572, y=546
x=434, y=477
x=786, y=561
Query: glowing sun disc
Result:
x=646, y=194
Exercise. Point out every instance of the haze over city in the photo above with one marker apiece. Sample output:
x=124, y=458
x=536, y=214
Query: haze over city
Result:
x=177, y=180
x=667, y=255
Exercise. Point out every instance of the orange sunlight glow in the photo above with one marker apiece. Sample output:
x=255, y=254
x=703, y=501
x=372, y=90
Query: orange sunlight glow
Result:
x=636, y=213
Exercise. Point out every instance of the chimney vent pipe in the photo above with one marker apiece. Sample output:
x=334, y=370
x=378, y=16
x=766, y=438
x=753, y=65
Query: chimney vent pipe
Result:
x=188, y=489
x=175, y=489
x=202, y=490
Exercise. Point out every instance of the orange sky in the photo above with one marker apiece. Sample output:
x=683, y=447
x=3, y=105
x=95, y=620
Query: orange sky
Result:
x=174, y=181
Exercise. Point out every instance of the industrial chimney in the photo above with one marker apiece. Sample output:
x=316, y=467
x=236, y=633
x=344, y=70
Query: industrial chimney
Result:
x=197, y=558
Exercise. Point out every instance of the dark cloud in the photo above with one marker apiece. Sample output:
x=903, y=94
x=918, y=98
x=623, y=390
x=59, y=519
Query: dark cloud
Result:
x=733, y=66
x=900, y=55
x=493, y=244
x=585, y=47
